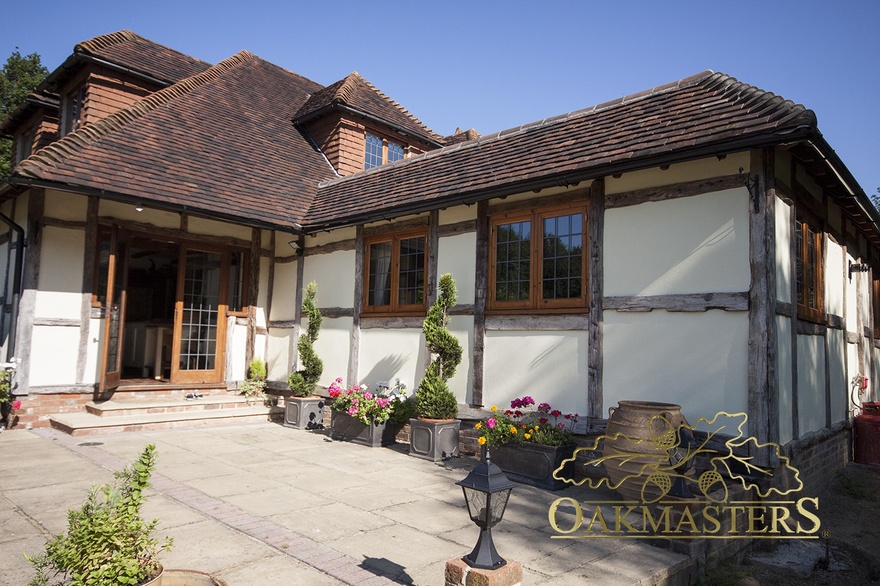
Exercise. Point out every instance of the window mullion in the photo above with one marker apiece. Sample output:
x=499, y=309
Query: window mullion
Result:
x=395, y=273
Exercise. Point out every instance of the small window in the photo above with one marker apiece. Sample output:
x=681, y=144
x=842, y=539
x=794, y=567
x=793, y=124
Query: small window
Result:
x=537, y=260
x=875, y=300
x=380, y=151
x=73, y=106
x=395, y=273
x=808, y=253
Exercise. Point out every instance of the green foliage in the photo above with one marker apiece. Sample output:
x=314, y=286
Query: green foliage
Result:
x=107, y=542
x=302, y=382
x=435, y=400
x=19, y=77
x=255, y=385
x=4, y=386
x=257, y=369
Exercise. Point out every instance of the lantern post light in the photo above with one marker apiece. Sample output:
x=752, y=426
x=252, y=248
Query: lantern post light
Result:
x=486, y=490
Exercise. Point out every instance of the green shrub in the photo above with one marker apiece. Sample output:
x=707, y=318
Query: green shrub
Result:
x=302, y=382
x=107, y=542
x=434, y=399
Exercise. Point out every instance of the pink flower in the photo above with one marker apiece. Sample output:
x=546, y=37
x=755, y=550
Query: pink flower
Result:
x=368, y=395
x=352, y=410
x=543, y=420
x=544, y=407
x=491, y=422
x=556, y=413
x=16, y=405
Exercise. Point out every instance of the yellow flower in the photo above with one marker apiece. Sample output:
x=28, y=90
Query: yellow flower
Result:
x=528, y=436
x=494, y=408
x=513, y=430
x=481, y=441
x=478, y=425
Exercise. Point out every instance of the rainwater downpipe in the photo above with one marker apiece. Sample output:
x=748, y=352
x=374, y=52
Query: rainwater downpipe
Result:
x=20, y=244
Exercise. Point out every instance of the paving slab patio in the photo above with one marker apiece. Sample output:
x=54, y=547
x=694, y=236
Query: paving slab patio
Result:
x=261, y=504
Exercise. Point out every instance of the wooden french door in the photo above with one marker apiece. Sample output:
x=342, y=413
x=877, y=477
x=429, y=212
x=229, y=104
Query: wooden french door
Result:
x=200, y=315
x=113, y=258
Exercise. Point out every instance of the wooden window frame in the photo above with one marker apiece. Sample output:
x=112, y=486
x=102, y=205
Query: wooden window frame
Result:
x=803, y=224
x=394, y=308
x=385, y=141
x=536, y=302
x=875, y=299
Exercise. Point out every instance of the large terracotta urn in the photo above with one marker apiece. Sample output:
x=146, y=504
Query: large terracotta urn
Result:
x=638, y=438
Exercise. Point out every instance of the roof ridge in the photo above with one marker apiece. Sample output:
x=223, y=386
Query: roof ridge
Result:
x=396, y=105
x=82, y=137
x=108, y=40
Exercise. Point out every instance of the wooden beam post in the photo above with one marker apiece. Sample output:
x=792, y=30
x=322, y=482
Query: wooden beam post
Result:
x=30, y=282
x=481, y=293
x=596, y=227
x=354, y=348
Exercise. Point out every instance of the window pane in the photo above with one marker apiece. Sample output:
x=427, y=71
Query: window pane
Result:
x=799, y=254
x=379, y=284
x=561, y=261
x=373, y=153
x=236, y=281
x=512, y=261
x=812, y=272
x=411, y=286
x=395, y=152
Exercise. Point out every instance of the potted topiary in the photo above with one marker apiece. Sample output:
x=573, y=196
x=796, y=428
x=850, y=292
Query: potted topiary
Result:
x=434, y=431
x=107, y=541
x=304, y=409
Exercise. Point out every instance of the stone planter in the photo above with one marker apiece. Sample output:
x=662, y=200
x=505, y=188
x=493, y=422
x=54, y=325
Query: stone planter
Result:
x=190, y=578
x=434, y=439
x=304, y=412
x=346, y=428
x=533, y=464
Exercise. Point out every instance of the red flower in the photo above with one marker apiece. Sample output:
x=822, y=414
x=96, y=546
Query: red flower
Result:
x=16, y=405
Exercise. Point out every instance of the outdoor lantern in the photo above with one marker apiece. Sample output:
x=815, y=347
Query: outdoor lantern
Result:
x=486, y=490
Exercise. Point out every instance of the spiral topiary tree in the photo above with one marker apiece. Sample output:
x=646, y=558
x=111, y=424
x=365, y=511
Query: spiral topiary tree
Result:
x=302, y=382
x=434, y=399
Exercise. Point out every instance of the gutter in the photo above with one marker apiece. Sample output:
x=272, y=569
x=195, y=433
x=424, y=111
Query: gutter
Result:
x=294, y=228
x=20, y=246
x=565, y=179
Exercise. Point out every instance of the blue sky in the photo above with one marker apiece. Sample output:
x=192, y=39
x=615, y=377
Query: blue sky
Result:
x=495, y=65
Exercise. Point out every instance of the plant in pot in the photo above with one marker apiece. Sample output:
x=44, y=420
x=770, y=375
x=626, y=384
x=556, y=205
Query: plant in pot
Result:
x=529, y=444
x=304, y=409
x=107, y=541
x=254, y=388
x=434, y=432
x=369, y=418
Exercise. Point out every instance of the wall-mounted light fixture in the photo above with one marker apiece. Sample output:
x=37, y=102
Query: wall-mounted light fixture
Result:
x=138, y=208
x=294, y=244
x=855, y=267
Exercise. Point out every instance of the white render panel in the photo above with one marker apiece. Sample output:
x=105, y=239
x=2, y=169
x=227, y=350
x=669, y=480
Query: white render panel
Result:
x=678, y=173
x=236, y=346
x=390, y=354
x=784, y=379
x=551, y=367
x=322, y=238
x=693, y=244
x=835, y=278
x=811, y=384
x=59, y=292
x=456, y=256
x=198, y=225
x=457, y=214
x=852, y=298
x=332, y=348
x=263, y=292
x=334, y=274
x=696, y=360
x=855, y=399
x=783, y=251
x=93, y=351
x=838, y=375
x=127, y=211
x=66, y=206
x=278, y=366
x=284, y=294
x=53, y=355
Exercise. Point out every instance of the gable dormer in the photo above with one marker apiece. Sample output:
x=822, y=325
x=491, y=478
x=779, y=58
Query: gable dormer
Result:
x=357, y=127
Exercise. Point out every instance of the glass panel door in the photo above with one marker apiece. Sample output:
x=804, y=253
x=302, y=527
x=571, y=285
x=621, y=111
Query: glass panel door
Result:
x=200, y=317
x=111, y=267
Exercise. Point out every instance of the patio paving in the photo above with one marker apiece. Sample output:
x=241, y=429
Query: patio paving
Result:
x=261, y=504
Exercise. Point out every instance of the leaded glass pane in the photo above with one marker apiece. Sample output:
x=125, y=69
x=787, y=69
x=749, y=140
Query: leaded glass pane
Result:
x=562, y=257
x=373, y=153
x=395, y=152
x=512, y=261
x=201, y=302
x=411, y=284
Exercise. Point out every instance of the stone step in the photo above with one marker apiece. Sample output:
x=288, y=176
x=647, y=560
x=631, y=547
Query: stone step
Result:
x=171, y=404
x=83, y=424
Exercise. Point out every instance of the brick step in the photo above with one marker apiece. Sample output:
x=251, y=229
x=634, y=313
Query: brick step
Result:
x=169, y=404
x=81, y=424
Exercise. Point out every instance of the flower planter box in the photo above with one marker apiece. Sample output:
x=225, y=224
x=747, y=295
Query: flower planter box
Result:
x=346, y=428
x=533, y=464
x=304, y=412
x=434, y=439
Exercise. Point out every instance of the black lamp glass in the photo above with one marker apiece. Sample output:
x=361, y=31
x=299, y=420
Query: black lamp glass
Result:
x=486, y=491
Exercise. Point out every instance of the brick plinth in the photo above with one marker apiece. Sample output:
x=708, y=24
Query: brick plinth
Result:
x=458, y=573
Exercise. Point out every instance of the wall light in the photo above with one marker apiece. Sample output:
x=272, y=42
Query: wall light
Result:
x=294, y=244
x=138, y=208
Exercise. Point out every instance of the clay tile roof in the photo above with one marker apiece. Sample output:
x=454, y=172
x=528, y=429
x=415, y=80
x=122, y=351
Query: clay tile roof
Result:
x=130, y=50
x=461, y=136
x=709, y=113
x=355, y=93
x=220, y=142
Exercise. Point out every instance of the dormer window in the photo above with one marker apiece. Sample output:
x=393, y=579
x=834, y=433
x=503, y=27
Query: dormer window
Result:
x=73, y=106
x=380, y=151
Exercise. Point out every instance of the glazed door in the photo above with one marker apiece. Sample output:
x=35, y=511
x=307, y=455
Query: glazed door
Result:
x=200, y=316
x=112, y=264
